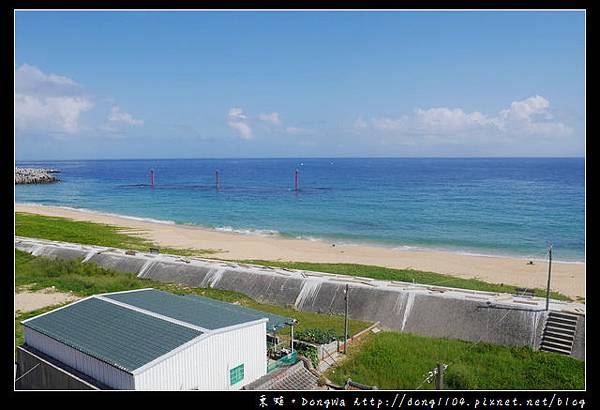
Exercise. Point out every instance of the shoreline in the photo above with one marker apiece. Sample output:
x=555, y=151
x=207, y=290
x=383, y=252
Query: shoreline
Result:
x=568, y=277
x=268, y=233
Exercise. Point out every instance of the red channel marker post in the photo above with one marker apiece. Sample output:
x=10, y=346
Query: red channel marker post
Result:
x=152, y=178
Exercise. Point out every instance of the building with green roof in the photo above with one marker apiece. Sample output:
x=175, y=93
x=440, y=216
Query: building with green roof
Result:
x=153, y=340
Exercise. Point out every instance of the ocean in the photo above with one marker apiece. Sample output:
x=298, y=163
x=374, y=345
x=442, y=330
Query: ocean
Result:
x=489, y=206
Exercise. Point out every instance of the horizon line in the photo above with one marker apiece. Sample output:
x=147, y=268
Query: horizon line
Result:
x=307, y=157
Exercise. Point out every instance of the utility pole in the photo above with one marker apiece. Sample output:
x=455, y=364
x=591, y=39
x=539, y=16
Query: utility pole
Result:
x=439, y=377
x=549, y=275
x=346, y=319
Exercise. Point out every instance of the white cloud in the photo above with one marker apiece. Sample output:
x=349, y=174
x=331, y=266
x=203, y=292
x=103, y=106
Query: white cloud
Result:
x=525, y=109
x=272, y=118
x=528, y=117
x=270, y=123
x=118, y=116
x=48, y=102
x=236, y=119
x=294, y=130
x=360, y=124
x=274, y=123
x=437, y=120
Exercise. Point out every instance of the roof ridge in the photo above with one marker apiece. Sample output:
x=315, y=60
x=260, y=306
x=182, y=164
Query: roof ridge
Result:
x=98, y=351
x=153, y=314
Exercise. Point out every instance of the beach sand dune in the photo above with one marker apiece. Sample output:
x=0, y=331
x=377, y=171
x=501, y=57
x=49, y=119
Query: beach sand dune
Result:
x=567, y=278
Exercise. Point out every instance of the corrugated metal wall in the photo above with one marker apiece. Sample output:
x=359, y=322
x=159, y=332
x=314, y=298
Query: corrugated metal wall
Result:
x=205, y=365
x=103, y=372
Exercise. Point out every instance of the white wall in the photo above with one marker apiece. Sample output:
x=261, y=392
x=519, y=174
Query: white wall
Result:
x=205, y=365
x=99, y=370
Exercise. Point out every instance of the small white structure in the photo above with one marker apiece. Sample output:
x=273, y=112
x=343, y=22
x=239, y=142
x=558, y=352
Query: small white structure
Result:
x=153, y=340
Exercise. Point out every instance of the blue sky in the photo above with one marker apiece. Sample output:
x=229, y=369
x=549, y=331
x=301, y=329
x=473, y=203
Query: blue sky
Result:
x=187, y=84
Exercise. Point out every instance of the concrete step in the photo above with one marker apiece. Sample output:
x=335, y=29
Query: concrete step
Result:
x=566, y=337
x=554, y=350
x=559, y=333
x=564, y=315
x=559, y=330
x=556, y=346
x=563, y=321
x=561, y=327
x=566, y=343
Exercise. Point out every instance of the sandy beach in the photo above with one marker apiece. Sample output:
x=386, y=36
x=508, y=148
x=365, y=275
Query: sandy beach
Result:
x=567, y=278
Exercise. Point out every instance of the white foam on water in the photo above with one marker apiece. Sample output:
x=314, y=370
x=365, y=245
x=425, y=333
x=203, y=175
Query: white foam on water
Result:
x=309, y=291
x=259, y=232
x=409, y=305
x=311, y=238
x=93, y=211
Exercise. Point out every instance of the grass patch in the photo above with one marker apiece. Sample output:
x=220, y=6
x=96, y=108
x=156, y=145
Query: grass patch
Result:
x=402, y=275
x=68, y=230
x=85, y=279
x=391, y=360
x=91, y=233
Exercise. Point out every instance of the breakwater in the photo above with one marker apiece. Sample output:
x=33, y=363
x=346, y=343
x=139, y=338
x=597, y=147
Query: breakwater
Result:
x=426, y=310
x=35, y=175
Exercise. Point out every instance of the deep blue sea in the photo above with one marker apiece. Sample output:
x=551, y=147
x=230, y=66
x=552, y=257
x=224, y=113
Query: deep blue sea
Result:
x=495, y=206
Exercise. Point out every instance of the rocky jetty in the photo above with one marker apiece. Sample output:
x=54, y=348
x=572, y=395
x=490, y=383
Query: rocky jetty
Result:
x=35, y=176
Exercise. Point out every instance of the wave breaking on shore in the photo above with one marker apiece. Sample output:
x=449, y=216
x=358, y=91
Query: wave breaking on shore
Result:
x=271, y=233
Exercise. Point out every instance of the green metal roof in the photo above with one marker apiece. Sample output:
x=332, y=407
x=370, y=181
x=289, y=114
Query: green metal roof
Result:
x=116, y=335
x=197, y=310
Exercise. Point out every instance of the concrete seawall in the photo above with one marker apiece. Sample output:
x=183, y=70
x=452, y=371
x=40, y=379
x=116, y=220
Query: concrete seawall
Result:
x=426, y=310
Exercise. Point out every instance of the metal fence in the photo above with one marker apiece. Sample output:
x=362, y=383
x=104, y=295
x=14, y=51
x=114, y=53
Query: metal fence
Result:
x=291, y=358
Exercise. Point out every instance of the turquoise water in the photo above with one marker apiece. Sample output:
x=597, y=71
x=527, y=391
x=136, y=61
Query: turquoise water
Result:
x=496, y=206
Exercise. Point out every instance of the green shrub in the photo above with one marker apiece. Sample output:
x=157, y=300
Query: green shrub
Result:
x=317, y=336
x=308, y=351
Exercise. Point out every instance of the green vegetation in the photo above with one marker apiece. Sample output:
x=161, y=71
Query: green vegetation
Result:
x=89, y=233
x=85, y=279
x=402, y=275
x=391, y=360
x=308, y=351
x=318, y=336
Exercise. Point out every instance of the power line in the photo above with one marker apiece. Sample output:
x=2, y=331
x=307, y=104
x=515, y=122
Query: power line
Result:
x=27, y=372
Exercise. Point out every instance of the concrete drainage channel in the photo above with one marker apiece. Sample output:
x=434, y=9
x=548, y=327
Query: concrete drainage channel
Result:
x=425, y=310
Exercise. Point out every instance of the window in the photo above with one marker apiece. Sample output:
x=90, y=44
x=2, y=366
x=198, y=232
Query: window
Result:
x=236, y=375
